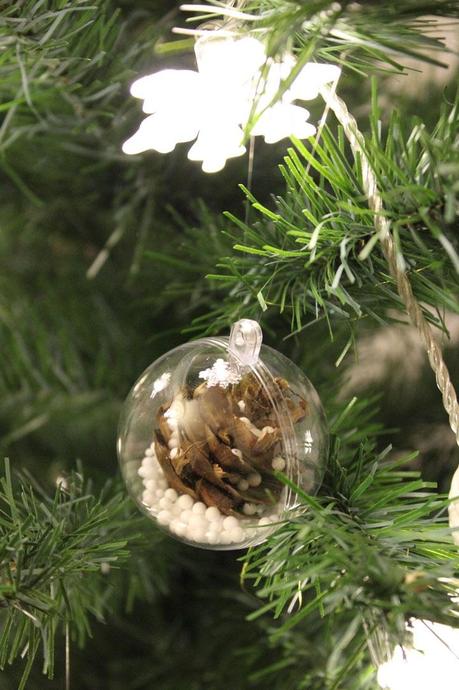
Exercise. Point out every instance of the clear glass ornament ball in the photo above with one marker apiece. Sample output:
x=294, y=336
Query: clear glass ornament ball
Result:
x=205, y=432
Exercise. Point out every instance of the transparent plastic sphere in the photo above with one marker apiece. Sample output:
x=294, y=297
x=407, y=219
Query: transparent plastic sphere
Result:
x=205, y=431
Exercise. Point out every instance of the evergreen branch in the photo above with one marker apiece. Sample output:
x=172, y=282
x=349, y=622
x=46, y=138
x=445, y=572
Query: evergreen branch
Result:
x=287, y=258
x=55, y=553
x=359, y=555
x=368, y=33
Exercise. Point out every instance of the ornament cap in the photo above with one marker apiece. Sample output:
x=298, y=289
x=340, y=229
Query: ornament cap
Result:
x=245, y=341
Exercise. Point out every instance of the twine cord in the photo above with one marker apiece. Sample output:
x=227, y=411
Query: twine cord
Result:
x=67, y=656
x=397, y=270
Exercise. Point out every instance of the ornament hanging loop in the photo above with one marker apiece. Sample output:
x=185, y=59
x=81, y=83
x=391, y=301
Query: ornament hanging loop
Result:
x=245, y=341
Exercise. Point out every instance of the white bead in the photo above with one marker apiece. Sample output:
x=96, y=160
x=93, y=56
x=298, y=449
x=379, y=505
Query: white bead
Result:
x=148, y=497
x=278, y=463
x=164, y=503
x=171, y=494
x=149, y=452
x=176, y=510
x=230, y=522
x=185, y=515
x=213, y=535
x=178, y=528
x=185, y=501
x=225, y=537
x=150, y=484
x=241, y=405
x=173, y=442
x=216, y=526
x=237, y=535
x=173, y=454
x=213, y=514
x=249, y=509
x=172, y=421
x=251, y=532
x=147, y=466
x=195, y=533
x=243, y=485
x=264, y=522
x=251, y=426
x=254, y=479
x=164, y=517
x=199, y=508
x=159, y=493
x=200, y=537
x=189, y=533
x=198, y=522
x=156, y=470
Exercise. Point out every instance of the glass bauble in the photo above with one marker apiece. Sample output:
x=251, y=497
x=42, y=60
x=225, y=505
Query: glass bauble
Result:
x=207, y=432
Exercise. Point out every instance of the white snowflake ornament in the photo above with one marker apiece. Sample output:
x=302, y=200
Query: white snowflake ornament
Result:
x=214, y=104
x=431, y=663
x=453, y=508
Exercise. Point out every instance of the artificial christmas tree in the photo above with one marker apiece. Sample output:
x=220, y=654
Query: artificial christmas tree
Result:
x=334, y=243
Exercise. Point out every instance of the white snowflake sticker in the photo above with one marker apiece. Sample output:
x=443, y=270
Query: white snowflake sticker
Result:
x=308, y=441
x=220, y=374
x=160, y=384
x=214, y=104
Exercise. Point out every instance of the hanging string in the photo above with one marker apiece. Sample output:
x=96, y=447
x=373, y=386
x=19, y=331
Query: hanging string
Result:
x=378, y=641
x=396, y=267
x=67, y=656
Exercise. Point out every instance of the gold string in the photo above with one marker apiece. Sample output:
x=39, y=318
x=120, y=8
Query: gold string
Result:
x=396, y=266
x=67, y=656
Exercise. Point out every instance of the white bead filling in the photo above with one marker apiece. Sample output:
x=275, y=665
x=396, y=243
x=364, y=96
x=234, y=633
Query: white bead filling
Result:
x=193, y=520
x=264, y=522
x=254, y=479
x=278, y=463
x=171, y=495
x=213, y=514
